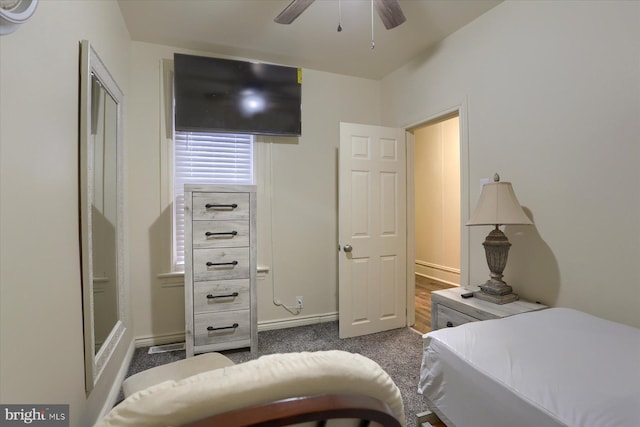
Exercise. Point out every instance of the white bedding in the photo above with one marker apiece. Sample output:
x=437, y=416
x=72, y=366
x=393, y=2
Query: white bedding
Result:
x=554, y=367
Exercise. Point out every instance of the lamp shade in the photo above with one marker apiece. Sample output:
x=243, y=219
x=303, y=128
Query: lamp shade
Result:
x=498, y=205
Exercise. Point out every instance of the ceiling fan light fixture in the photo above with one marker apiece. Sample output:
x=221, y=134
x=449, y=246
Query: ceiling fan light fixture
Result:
x=15, y=12
x=389, y=11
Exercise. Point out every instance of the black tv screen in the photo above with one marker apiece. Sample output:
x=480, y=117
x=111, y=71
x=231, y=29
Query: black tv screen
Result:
x=223, y=95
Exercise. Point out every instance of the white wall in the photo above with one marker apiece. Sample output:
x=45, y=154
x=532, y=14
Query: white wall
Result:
x=552, y=91
x=41, y=355
x=305, y=195
x=301, y=182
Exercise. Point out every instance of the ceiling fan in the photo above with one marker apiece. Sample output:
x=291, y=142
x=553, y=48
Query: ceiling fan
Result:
x=389, y=11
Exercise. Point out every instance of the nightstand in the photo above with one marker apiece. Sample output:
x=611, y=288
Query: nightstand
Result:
x=449, y=309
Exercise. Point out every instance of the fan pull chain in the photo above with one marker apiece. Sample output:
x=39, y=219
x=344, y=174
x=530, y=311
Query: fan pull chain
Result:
x=339, y=15
x=373, y=43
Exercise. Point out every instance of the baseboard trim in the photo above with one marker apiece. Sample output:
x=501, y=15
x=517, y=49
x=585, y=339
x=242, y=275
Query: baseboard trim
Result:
x=268, y=325
x=436, y=279
x=298, y=321
x=150, y=340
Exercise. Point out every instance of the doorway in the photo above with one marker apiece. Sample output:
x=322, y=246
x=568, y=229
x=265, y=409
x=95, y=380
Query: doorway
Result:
x=437, y=212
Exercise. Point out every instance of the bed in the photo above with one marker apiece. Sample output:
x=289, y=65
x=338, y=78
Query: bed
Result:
x=554, y=367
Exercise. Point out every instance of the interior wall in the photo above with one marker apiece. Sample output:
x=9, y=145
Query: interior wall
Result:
x=297, y=208
x=553, y=98
x=437, y=200
x=42, y=351
x=305, y=197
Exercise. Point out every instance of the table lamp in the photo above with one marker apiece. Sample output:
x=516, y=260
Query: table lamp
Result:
x=497, y=206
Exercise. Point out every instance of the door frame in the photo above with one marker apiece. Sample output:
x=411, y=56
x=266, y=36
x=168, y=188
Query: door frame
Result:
x=461, y=111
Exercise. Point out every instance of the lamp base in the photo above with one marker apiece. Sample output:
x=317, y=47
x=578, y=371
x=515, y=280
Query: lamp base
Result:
x=496, y=299
x=497, y=292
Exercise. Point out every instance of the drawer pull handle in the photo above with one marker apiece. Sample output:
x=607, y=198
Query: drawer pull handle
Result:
x=211, y=328
x=214, y=206
x=215, y=264
x=227, y=233
x=210, y=296
x=449, y=325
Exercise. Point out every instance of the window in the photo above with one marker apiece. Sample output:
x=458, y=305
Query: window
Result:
x=206, y=158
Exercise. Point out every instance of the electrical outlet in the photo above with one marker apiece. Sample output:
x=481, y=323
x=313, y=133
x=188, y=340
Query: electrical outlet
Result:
x=299, y=302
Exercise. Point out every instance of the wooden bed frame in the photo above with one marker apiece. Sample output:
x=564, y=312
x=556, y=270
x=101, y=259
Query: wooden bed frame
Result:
x=318, y=409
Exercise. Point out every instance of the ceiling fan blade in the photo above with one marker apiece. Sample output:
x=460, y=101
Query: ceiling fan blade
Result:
x=291, y=12
x=390, y=13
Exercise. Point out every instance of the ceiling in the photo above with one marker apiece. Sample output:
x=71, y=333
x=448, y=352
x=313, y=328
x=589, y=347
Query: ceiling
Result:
x=245, y=29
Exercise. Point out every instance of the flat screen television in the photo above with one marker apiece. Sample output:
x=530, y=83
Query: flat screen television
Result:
x=223, y=95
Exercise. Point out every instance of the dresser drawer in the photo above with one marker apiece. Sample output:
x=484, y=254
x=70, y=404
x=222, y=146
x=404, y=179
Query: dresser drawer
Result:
x=448, y=317
x=220, y=234
x=221, y=295
x=217, y=264
x=216, y=328
x=220, y=206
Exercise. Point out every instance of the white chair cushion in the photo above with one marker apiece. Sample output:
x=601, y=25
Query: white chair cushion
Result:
x=259, y=381
x=176, y=371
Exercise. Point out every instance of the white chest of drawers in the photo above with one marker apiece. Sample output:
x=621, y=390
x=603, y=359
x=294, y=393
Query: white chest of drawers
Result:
x=220, y=268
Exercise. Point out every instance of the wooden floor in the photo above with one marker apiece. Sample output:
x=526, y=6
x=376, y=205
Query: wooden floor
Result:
x=428, y=418
x=424, y=287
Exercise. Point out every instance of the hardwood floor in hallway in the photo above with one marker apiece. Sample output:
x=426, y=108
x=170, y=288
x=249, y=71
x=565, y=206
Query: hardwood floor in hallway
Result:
x=424, y=287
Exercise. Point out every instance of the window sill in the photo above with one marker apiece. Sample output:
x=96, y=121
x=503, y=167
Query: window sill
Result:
x=172, y=275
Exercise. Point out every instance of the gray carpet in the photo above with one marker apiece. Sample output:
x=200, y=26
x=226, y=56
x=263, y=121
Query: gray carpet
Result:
x=399, y=352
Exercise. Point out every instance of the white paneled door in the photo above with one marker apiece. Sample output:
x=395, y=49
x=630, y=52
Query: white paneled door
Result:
x=372, y=229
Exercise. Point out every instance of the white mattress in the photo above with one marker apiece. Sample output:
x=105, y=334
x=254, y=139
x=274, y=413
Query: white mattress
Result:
x=554, y=367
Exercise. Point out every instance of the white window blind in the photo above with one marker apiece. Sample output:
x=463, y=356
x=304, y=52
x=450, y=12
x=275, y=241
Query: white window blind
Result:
x=207, y=158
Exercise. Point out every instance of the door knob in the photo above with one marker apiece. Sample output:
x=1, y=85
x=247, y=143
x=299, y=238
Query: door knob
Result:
x=347, y=248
